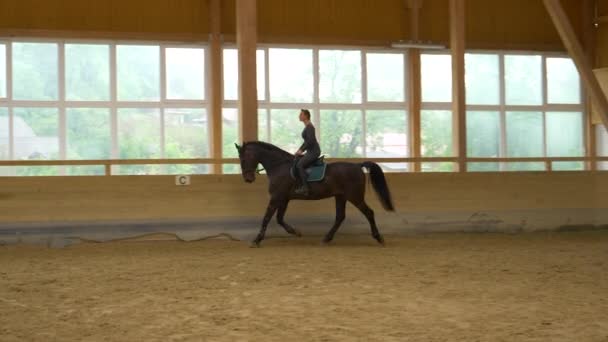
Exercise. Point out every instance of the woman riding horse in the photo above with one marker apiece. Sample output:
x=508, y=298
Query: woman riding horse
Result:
x=343, y=181
x=312, y=149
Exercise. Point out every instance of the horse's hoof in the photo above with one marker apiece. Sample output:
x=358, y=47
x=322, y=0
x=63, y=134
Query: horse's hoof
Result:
x=380, y=240
x=326, y=243
x=297, y=233
x=254, y=244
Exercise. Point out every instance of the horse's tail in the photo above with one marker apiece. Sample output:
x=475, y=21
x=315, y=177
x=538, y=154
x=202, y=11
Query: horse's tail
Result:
x=379, y=184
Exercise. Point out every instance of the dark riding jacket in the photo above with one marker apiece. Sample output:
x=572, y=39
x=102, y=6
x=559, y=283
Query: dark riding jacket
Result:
x=310, y=144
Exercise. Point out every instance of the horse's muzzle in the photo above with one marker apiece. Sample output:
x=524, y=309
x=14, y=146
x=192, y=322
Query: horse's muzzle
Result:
x=249, y=178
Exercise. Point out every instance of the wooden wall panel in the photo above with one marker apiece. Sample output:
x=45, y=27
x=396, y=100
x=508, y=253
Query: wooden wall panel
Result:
x=48, y=199
x=602, y=35
x=435, y=21
x=187, y=18
x=602, y=7
x=517, y=24
x=509, y=24
x=229, y=19
x=332, y=20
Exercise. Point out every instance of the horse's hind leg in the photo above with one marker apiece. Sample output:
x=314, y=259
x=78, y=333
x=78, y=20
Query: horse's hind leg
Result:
x=369, y=214
x=281, y=220
x=340, y=214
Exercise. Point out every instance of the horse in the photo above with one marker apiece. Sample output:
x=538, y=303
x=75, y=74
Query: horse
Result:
x=343, y=181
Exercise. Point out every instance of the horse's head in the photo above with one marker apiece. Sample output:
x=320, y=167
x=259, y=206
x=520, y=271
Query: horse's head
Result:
x=249, y=162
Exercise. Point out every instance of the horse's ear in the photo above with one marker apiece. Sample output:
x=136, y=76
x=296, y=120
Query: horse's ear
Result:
x=238, y=148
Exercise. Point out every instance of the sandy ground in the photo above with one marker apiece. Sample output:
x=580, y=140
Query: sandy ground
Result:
x=441, y=287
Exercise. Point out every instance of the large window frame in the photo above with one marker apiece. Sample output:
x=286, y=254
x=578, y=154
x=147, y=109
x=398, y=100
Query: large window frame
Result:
x=502, y=107
x=266, y=105
x=113, y=104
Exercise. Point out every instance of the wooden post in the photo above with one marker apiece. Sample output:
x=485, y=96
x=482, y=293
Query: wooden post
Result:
x=568, y=36
x=414, y=104
x=457, y=42
x=216, y=88
x=589, y=41
x=246, y=40
x=414, y=90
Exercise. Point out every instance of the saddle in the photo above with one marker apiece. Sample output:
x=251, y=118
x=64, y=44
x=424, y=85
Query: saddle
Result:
x=315, y=172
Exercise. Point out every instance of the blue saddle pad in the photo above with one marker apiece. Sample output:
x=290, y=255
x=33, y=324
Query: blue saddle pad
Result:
x=316, y=172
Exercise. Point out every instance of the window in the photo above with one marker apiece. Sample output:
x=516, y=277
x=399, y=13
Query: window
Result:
x=186, y=136
x=291, y=75
x=87, y=72
x=523, y=80
x=352, y=118
x=138, y=72
x=86, y=119
x=532, y=116
x=483, y=139
x=285, y=129
x=231, y=74
x=436, y=136
x=88, y=133
x=88, y=137
x=563, y=84
x=139, y=138
x=4, y=134
x=482, y=79
x=436, y=116
x=602, y=145
x=36, y=133
x=230, y=135
x=342, y=133
x=385, y=77
x=2, y=71
x=339, y=76
x=436, y=77
x=386, y=133
x=525, y=139
x=565, y=138
x=185, y=73
x=35, y=71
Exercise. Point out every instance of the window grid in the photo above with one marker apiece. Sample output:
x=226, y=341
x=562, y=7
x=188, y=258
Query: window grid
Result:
x=112, y=104
x=316, y=106
x=266, y=105
x=502, y=108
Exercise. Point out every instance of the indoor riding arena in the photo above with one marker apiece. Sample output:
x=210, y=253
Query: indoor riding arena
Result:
x=152, y=156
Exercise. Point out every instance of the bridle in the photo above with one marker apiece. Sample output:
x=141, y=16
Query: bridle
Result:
x=259, y=170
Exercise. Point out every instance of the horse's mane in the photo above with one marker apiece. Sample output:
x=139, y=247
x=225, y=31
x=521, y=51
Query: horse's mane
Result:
x=269, y=147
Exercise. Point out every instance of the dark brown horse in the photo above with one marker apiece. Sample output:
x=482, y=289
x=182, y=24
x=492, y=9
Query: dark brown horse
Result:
x=343, y=181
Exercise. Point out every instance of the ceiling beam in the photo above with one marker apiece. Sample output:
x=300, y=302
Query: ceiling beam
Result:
x=572, y=44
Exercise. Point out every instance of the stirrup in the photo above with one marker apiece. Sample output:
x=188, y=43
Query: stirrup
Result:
x=301, y=190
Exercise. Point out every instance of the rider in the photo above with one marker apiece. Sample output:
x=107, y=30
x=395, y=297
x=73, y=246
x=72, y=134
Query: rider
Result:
x=312, y=149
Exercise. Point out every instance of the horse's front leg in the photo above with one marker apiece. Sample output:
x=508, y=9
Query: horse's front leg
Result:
x=281, y=219
x=270, y=210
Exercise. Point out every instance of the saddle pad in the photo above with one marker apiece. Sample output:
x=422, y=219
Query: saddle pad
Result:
x=316, y=173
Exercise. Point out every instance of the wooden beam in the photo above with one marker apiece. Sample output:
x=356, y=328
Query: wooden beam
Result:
x=246, y=41
x=589, y=41
x=568, y=36
x=216, y=87
x=414, y=85
x=457, y=42
x=414, y=6
x=414, y=98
